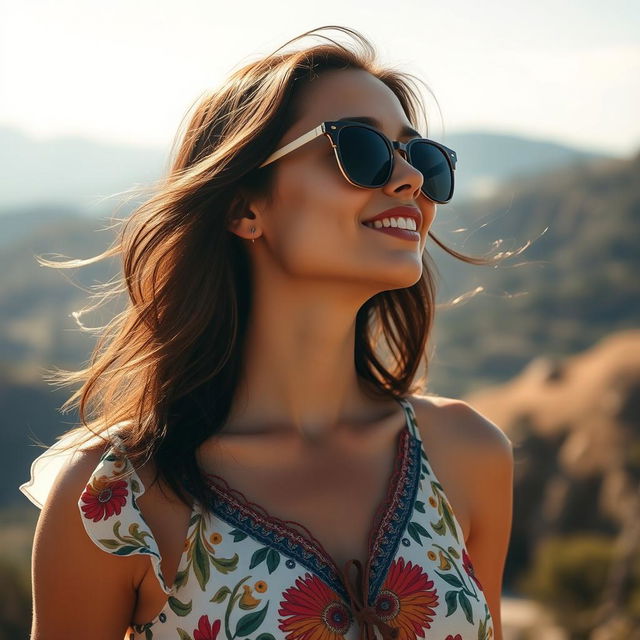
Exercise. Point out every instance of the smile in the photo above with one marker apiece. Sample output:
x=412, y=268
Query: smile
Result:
x=399, y=227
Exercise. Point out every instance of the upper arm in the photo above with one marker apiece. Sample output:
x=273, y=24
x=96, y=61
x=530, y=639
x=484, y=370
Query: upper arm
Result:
x=490, y=489
x=78, y=589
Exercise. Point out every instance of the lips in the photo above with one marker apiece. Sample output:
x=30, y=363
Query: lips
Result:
x=399, y=212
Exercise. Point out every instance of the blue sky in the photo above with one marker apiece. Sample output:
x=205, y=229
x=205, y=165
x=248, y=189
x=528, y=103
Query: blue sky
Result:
x=127, y=72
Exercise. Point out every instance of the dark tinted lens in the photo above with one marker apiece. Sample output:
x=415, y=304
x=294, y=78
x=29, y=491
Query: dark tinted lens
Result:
x=365, y=156
x=433, y=164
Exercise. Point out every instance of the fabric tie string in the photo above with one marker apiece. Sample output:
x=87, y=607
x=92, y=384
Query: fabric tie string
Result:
x=362, y=612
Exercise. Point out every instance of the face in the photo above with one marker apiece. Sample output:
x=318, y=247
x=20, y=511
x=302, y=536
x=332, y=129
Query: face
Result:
x=313, y=226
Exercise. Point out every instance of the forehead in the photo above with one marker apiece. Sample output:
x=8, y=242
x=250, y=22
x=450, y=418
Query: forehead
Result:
x=340, y=93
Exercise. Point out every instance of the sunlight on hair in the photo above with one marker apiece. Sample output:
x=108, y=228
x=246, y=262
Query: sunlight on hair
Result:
x=465, y=297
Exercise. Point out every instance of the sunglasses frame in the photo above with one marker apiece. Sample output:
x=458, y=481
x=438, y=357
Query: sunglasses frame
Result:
x=332, y=128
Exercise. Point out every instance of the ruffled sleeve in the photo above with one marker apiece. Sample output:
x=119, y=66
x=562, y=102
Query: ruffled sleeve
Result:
x=46, y=467
x=108, y=507
x=110, y=513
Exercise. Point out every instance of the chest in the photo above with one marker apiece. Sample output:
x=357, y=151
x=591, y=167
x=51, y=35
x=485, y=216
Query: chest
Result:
x=335, y=494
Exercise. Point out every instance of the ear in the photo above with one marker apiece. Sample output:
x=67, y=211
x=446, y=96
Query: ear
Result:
x=243, y=216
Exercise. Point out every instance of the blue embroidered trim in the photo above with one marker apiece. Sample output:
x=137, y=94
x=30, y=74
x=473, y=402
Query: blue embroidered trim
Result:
x=282, y=537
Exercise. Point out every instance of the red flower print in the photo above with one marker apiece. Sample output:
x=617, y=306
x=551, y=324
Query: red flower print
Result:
x=456, y=637
x=468, y=567
x=313, y=611
x=206, y=630
x=407, y=599
x=103, y=498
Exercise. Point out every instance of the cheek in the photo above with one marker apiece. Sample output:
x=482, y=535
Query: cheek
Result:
x=316, y=198
x=428, y=216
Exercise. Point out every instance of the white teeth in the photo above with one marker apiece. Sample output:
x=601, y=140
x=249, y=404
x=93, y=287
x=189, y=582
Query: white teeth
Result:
x=401, y=223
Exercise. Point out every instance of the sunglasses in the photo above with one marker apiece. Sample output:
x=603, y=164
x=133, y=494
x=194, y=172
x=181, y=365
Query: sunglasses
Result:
x=365, y=157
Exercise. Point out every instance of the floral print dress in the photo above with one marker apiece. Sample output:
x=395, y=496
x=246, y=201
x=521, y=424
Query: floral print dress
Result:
x=246, y=574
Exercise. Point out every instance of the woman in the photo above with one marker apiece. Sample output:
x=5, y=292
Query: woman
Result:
x=251, y=437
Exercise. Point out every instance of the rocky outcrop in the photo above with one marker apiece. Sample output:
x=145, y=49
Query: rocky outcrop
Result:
x=575, y=427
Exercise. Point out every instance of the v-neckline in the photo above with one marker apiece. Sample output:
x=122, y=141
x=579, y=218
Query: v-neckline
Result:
x=388, y=522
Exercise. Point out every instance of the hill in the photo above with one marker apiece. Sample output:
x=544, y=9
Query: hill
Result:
x=77, y=173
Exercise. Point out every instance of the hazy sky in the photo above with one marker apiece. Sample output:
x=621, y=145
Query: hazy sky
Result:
x=127, y=71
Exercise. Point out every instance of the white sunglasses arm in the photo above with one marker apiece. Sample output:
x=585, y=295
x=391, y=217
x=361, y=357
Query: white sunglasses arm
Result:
x=298, y=142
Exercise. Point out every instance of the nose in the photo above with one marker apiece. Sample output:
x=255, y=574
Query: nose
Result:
x=405, y=178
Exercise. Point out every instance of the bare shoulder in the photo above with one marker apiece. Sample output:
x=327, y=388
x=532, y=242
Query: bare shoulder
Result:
x=482, y=455
x=73, y=477
x=461, y=425
x=56, y=614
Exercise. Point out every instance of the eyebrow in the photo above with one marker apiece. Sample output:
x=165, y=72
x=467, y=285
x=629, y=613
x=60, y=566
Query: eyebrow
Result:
x=406, y=131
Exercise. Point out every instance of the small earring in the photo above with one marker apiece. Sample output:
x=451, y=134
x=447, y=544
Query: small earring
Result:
x=253, y=230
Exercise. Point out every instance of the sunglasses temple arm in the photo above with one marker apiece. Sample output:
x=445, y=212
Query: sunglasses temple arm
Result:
x=298, y=142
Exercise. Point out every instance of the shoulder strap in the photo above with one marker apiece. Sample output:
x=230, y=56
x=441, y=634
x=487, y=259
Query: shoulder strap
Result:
x=412, y=423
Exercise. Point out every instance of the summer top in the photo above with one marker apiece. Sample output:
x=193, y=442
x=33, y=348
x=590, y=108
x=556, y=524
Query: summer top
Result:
x=246, y=574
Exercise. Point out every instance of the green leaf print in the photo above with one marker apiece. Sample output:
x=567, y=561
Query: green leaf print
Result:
x=201, y=556
x=180, y=608
x=439, y=527
x=148, y=634
x=250, y=622
x=109, y=543
x=461, y=578
x=415, y=530
x=445, y=510
x=201, y=564
x=225, y=565
x=419, y=506
x=273, y=560
x=482, y=630
x=238, y=535
x=181, y=578
x=466, y=606
x=258, y=556
x=128, y=544
x=451, y=598
x=183, y=634
x=134, y=530
x=221, y=594
x=452, y=580
x=448, y=516
x=125, y=551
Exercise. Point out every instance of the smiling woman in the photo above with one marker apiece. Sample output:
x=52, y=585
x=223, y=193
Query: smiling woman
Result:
x=252, y=393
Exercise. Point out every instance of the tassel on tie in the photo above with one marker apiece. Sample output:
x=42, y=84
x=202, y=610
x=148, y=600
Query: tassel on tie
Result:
x=363, y=613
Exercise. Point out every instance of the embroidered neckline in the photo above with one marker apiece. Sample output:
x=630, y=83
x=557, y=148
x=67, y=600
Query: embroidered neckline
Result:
x=389, y=520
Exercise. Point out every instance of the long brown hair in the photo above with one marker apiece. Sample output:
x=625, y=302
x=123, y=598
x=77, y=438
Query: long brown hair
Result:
x=167, y=366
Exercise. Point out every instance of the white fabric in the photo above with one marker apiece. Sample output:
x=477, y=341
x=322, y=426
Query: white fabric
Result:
x=45, y=468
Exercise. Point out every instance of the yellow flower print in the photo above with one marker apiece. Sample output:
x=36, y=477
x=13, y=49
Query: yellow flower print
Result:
x=215, y=538
x=432, y=501
x=444, y=562
x=260, y=586
x=247, y=601
x=431, y=555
